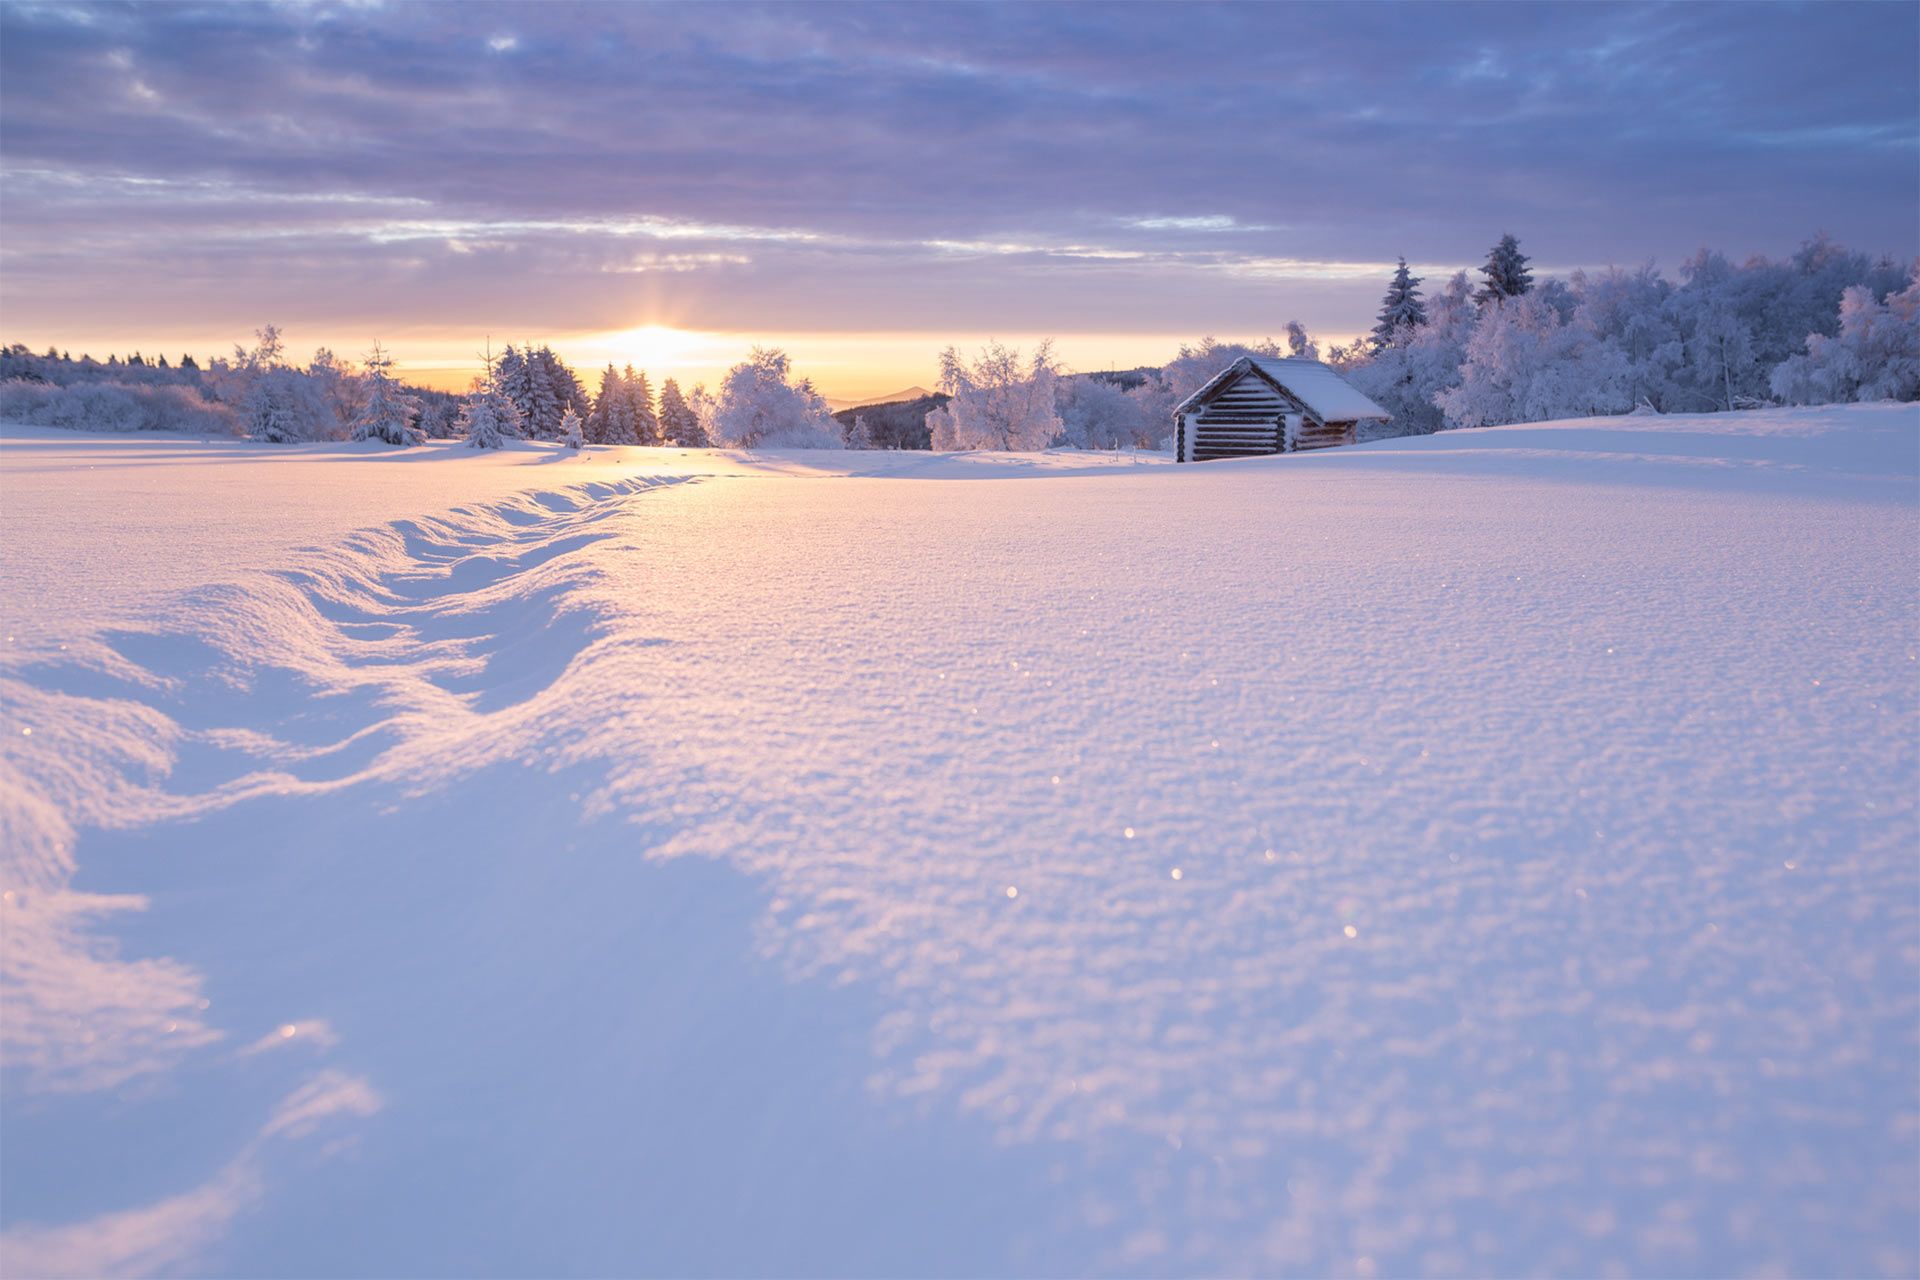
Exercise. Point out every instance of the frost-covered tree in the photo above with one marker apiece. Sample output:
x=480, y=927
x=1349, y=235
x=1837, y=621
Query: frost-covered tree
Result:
x=1526, y=364
x=542, y=408
x=639, y=394
x=1096, y=413
x=678, y=422
x=274, y=402
x=701, y=405
x=490, y=418
x=338, y=390
x=1723, y=368
x=1405, y=377
x=1630, y=312
x=760, y=405
x=279, y=407
x=611, y=421
x=999, y=401
x=572, y=435
x=1505, y=275
x=563, y=383
x=1401, y=311
x=389, y=412
x=1874, y=356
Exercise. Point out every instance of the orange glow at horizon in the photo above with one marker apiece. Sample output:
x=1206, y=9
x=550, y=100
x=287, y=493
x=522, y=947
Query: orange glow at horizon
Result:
x=846, y=367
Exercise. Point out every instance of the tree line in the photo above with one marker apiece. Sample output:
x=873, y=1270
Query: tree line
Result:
x=1823, y=325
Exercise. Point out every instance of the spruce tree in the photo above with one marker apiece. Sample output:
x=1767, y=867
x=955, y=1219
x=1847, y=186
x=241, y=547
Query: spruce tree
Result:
x=1506, y=273
x=679, y=424
x=646, y=423
x=390, y=412
x=489, y=417
x=600, y=417
x=541, y=407
x=613, y=410
x=510, y=376
x=571, y=435
x=1401, y=309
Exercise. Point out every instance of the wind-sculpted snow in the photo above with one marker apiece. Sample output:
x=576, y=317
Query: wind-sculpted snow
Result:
x=1436, y=857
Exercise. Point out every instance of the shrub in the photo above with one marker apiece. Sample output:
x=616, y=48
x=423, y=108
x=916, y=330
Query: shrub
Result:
x=115, y=407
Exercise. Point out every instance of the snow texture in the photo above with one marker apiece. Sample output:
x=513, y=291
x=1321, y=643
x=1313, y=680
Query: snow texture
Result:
x=1489, y=853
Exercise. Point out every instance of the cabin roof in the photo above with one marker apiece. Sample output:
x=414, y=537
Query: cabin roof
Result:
x=1325, y=393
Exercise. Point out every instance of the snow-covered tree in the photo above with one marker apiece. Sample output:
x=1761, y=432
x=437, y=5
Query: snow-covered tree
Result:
x=490, y=418
x=1401, y=310
x=701, y=405
x=678, y=422
x=389, y=412
x=1629, y=311
x=611, y=421
x=1404, y=377
x=1525, y=364
x=274, y=401
x=542, y=408
x=1723, y=368
x=563, y=382
x=761, y=405
x=1506, y=274
x=639, y=395
x=1096, y=413
x=999, y=401
x=1874, y=356
x=572, y=435
x=339, y=390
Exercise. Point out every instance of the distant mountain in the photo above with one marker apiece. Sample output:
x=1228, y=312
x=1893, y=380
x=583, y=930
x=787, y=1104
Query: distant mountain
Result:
x=896, y=424
x=892, y=397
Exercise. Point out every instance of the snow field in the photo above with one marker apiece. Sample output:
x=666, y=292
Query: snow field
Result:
x=1486, y=854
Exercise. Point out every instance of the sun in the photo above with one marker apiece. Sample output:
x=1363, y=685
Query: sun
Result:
x=652, y=346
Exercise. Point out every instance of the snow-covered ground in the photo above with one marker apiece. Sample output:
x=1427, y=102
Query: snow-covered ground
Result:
x=1486, y=854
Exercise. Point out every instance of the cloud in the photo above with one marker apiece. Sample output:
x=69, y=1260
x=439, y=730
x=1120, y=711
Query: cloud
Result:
x=318, y=160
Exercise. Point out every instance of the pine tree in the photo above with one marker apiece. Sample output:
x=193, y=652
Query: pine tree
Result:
x=541, y=408
x=1401, y=310
x=186, y=362
x=646, y=423
x=1506, y=273
x=570, y=429
x=390, y=412
x=489, y=417
x=679, y=424
x=567, y=390
x=600, y=417
x=510, y=376
x=613, y=410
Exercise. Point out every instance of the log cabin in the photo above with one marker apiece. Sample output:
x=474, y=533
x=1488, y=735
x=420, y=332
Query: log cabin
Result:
x=1269, y=404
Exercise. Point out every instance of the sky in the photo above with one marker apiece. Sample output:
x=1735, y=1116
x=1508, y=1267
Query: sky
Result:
x=865, y=184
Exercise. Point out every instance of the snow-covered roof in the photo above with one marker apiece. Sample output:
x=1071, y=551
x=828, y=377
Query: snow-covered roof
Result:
x=1326, y=394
